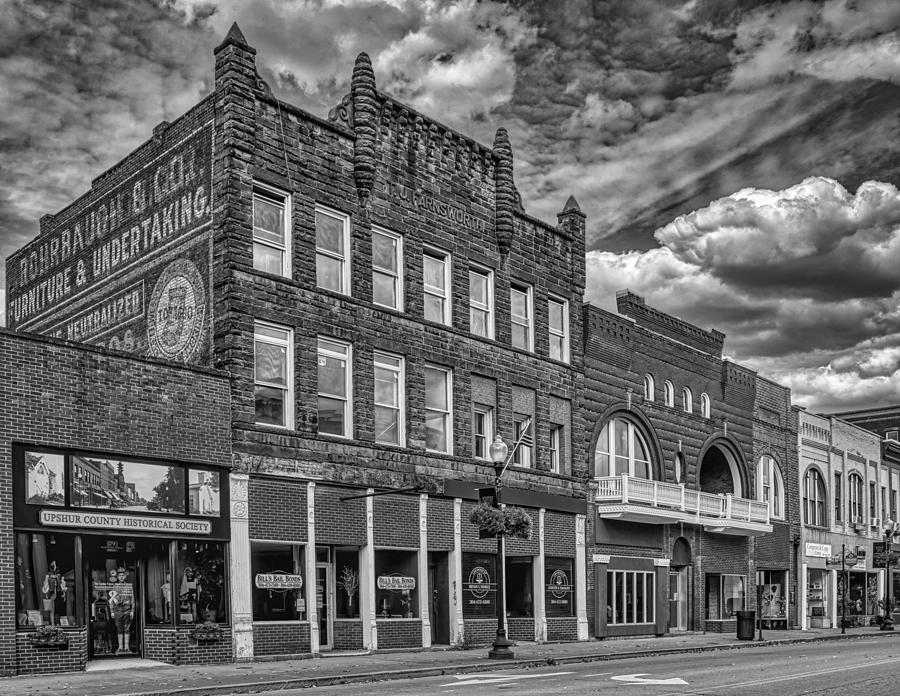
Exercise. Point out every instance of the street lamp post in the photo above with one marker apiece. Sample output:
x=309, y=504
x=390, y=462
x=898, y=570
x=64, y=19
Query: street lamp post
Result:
x=501, y=647
x=890, y=531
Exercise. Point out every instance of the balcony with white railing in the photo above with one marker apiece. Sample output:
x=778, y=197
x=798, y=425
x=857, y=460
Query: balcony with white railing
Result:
x=654, y=502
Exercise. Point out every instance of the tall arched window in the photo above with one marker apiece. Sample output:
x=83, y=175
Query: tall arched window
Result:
x=687, y=400
x=855, y=495
x=669, y=393
x=770, y=486
x=814, y=498
x=704, y=405
x=679, y=467
x=649, y=387
x=621, y=449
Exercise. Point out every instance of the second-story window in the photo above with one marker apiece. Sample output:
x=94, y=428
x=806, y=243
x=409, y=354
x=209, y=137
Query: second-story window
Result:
x=523, y=426
x=332, y=250
x=436, y=285
x=838, y=498
x=482, y=430
x=387, y=269
x=481, y=302
x=855, y=493
x=438, y=409
x=273, y=374
x=334, y=368
x=521, y=316
x=814, y=498
x=873, y=505
x=770, y=486
x=558, y=328
x=556, y=440
x=271, y=231
x=389, y=399
x=621, y=449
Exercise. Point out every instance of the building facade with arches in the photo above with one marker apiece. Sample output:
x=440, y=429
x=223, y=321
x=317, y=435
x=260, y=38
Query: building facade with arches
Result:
x=689, y=457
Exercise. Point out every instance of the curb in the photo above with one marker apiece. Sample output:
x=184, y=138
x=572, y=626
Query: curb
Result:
x=475, y=667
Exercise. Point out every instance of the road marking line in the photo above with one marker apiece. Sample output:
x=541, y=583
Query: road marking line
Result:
x=499, y=678
x=644, y=678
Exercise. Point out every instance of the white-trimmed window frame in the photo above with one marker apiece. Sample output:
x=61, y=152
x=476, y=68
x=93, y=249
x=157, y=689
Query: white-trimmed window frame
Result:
x=273, y=196
x=606, y=444
x=288, y=343
x=526, y=322
x=485, y=414
x=687, y=400
x=343, y=259
x=523, y=455
x=556, y=445
x=396, y=364
x=446, y=296
x=348, y=382
x=815, y=498
x=855, y=497
x=561, y=334
x=770, y=486
x=704, y=405
x=397, y=276
x=448, y=412
x=669, y=393
x=477, y=306
x=649, y=387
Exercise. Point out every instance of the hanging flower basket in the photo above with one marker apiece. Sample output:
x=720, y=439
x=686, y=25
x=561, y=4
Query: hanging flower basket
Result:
x=49, y=637
x=511, y=521
x=207, y=632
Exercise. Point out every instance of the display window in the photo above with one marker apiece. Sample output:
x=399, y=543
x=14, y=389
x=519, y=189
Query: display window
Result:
x=346, y=563
x=558, y=587
x=277, y=581
x=45, y=580
x=396, y=584
x=725, y=595
x=817, y=585
x=479, y=585
x=519, y=586
x=158, y=559
x=773, y=595
x=630, y=597
x=201, y=584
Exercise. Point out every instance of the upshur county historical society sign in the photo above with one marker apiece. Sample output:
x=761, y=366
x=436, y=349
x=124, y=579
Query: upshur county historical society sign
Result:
x=123, y=523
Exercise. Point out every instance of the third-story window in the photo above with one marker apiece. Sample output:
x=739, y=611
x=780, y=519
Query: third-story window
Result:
x=272, y=374
x=558, y=328
x=855, y=491
x=521, y=316
x=332, y=250
x=873, y=506
x=687, y=400
x=436, y=285
x=271, y=231
x=838, y=499
x=388, y=399
x=481, y=302
x=334, y=387
x=387, y=269
x=704, y=405
x=438, y=409
x=482, y=430
x=669, y=393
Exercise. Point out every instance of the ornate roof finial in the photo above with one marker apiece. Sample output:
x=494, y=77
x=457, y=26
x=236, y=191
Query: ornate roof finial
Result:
x=363, y=95
x=505, y=190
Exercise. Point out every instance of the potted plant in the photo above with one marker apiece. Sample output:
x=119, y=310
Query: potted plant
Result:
x=49, y=637
x=349, y=583
x=207, y=632
x=212, y=585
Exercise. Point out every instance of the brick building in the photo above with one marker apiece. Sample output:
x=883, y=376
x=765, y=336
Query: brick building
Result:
x=693, y=461
x=86, y=438
x=382, y=305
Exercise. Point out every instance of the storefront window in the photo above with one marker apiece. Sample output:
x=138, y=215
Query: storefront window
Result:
x=558, y=585
x=45, y=580
x=773, y=597
x=159, y=609
x=630, y=597
x=347, y=582
x=817, y=593
x=396, y=586
x=479, y=585
x=277, y=577
x=725, y=595
x=127, y=486
x=203, y=491
x=863, y=596
x=44, y=478
x=201, y=586
x=519, y=581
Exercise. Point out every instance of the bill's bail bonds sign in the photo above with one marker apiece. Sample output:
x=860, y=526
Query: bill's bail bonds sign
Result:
x=165, y=199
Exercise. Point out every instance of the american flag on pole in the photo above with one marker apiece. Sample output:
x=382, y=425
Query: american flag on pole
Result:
x=524, y=436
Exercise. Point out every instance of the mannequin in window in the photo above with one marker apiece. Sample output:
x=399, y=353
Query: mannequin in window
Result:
x=121, y=606
x=53, y=591
x=166, y=589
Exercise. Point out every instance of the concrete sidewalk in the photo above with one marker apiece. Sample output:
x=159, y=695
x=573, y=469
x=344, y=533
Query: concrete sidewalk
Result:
x=337, y=668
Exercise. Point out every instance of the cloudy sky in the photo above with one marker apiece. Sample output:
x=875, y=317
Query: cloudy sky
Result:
x=737, y=159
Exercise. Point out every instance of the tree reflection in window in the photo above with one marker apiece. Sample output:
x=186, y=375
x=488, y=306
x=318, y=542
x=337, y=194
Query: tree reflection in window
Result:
x=621, y=449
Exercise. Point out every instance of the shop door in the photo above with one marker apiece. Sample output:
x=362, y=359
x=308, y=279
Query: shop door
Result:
x=678, y=599
x=439, y=606
x=114, y=595
x=324, y=605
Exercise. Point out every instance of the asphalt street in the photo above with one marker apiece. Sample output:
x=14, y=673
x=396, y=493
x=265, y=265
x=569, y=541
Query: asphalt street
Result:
x=870, y=667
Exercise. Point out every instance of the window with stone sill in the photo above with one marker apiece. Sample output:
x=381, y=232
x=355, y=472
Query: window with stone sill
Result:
x=271, y=231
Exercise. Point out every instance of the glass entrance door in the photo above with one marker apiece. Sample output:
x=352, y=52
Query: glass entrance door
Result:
x=678, y=599
x=323, y=605
x=114, y=616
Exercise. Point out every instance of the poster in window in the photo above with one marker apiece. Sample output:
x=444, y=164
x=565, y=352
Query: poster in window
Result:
x=558, y=590
x=479, y=586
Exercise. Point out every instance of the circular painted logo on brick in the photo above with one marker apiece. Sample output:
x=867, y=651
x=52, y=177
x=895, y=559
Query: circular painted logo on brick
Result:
x=479, y=582
x=559, y=584
x=175, y=319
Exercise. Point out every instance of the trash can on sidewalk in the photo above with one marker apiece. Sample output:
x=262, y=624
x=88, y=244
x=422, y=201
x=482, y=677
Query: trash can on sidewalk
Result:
x=746, y=621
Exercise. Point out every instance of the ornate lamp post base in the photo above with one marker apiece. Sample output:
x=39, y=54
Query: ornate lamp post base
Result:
x=501, y=649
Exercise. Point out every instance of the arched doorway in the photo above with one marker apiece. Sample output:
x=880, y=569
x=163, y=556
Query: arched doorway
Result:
x=719, y=472
x=679, y=585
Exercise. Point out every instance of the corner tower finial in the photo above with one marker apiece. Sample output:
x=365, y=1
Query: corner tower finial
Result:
x=363, y=96
x=504, y=190
x=234, y=37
